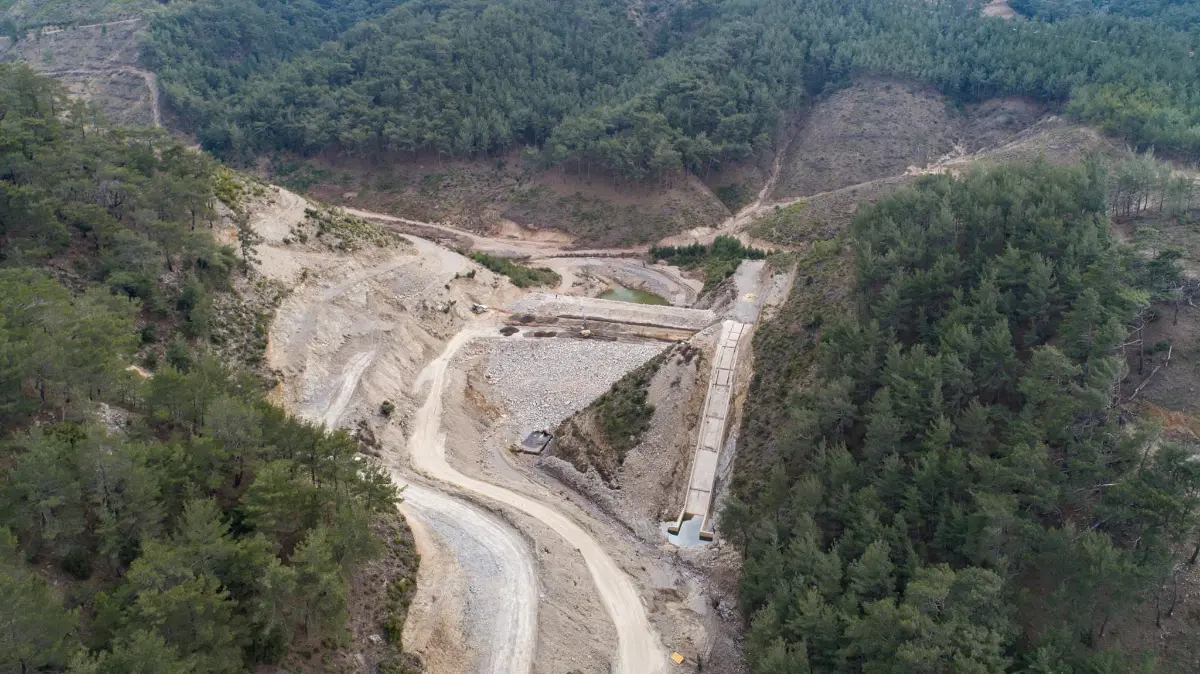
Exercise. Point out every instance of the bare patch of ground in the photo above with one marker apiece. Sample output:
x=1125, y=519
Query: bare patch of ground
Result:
x=491, y=196
x=880, y=127
x=97, y=63
x=1173, y=641
x=1000, y=8
x=798, y=222
x=593, y=275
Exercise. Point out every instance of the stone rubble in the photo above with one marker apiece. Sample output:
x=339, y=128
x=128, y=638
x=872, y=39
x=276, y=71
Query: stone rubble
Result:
x=545, y=380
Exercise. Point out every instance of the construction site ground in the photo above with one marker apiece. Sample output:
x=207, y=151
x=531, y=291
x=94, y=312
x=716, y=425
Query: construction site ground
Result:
x=506, y=582
x=576, y=565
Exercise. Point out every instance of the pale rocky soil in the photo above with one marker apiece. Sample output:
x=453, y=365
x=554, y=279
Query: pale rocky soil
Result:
x=355, y=330
x=358, y=328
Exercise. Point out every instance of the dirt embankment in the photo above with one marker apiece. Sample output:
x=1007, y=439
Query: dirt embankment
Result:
x=637, y=474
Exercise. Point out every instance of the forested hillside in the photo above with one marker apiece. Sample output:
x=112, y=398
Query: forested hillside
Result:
x=957, y=487
x=162, y=521
x=574, y=82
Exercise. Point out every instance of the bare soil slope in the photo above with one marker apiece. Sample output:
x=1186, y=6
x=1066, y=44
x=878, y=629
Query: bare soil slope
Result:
x=880, y=127
x=97, y=63
x=489, y=195
x=799, y=221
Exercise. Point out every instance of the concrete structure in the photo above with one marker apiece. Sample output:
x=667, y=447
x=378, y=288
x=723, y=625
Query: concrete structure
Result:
x=536, y=442
x=698, y=500
x=610, y=311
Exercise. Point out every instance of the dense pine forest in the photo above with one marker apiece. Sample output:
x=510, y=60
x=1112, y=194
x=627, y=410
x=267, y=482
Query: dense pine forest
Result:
x=167, y=523
x=577, y=82
x=958, y=488
x=947, y=479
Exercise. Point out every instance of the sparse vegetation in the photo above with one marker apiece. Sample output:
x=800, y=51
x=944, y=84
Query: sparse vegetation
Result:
x=342, y=231
x=387, y=407
x=617, y=420
x=718, y=261
x=520, y=275
x=735, y=195
x=622, y=413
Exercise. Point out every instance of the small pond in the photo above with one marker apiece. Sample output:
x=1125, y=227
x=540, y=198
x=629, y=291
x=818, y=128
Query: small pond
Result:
x=689, y=532
x=623, y=294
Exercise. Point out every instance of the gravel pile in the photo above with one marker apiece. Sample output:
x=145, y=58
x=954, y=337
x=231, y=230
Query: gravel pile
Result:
x=543, y=381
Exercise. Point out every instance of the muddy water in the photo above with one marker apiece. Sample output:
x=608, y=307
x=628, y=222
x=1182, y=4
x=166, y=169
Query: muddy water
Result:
x=622, y=294
x=689, y=532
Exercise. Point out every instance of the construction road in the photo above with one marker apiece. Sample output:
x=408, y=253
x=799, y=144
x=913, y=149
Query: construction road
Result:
x=640, y=650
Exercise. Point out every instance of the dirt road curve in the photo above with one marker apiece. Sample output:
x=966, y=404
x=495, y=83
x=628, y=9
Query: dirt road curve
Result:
x=497, y=552
x=640, y=650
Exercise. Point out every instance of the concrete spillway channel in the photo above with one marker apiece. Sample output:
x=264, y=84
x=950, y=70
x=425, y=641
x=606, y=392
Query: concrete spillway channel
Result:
x=698, y=500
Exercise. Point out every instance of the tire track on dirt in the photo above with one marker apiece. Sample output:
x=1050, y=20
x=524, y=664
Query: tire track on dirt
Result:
x=508, y=617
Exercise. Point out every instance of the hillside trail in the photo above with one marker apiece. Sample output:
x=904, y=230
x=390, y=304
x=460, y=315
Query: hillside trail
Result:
x=640, y=649
x=752, y=211
x=152, y=84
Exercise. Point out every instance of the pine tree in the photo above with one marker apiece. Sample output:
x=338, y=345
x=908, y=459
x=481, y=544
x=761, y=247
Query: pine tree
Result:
x=35, y=628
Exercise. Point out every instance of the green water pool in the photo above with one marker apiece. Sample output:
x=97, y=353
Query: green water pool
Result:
x=623, y=294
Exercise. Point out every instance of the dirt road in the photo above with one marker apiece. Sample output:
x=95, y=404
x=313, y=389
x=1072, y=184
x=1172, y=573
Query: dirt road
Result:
x=640, y=650
x=487, y=548
x=504, y=246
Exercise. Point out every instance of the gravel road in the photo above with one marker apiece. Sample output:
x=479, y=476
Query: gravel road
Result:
x=486, y=548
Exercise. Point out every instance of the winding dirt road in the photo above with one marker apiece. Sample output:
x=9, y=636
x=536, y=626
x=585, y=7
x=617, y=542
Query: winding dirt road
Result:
x=494, y=562
x=640, y=649
x=490, y=548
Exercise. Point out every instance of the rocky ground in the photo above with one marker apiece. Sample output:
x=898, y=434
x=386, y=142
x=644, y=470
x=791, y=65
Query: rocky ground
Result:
x=545, y=380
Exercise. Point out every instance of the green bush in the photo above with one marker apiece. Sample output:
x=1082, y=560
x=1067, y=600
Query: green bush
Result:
x=718, y=261
x=520, y=275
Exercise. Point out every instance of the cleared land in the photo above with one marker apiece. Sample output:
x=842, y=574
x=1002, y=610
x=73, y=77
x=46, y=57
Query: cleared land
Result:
x=97, y=63
x=880, y=127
